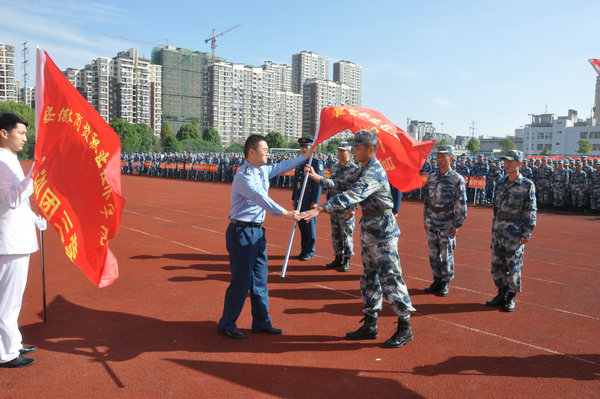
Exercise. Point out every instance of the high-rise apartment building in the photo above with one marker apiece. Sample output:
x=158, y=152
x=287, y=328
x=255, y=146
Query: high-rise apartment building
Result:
x=319, y=93
x=307, y=65
x=349, y=73
x=182, y=84
x=420, y=129
x=288, y=115
x=283, y=75
x=240, y=100
x=27, y=96
x=8, y=84
x=126, y=87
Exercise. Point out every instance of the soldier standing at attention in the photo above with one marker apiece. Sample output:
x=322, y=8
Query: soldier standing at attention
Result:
x=514, y=221
x=312, y=195
x=560, y=181
x=578, y=185
x=245, y=237
x=544, y=184
x=342, y=221
x=595, y=189
x=382, y=274
x=444, y=213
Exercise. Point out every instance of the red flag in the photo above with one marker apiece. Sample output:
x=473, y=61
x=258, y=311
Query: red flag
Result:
x=399, y=153
x=77, y=176
x=595, y=64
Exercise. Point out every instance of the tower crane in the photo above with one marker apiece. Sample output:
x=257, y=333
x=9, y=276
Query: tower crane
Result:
x=213, y=38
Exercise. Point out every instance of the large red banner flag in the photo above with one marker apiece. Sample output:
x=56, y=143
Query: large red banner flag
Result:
x=595, y=64
x=77, y=175
x=400, y=154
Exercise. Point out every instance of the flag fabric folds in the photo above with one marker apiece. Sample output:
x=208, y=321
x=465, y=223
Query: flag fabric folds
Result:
x=595, y=64
x=399, y=153
x=77, y=175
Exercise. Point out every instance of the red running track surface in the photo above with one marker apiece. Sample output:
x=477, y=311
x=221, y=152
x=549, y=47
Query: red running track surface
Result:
x=152, y=334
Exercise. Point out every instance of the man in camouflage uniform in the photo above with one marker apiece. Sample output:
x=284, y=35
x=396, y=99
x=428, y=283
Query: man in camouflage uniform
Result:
x=382, y=274
x=342, y=221
x=444, y=213
x=560, y=182
x=544, y=184
x=514, y=221
x=595, y=189
x=579, y=187
x=480, y=169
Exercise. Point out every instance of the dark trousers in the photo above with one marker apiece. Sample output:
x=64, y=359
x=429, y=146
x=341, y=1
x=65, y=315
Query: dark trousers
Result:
x=247, y=247
x=308, y=236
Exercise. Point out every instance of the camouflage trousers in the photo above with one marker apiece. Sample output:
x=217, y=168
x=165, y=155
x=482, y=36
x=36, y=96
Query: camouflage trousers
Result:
x=382, y=277
x=578, y=197
x=595, y=199
x=558, y=194
x=441, y=253
x=507, y=262
x=544, y=192
x=342, y=232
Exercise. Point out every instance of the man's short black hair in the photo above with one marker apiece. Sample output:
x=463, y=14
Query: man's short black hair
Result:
x=252, y=142
x=8, y=121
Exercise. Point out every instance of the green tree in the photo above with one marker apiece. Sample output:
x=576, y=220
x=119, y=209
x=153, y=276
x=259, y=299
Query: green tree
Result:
x=333, y=145
x=193, y=145
x=165, y=131
x=210, y=135
x=293, y=144
x=473, y=145
x=129, y=135
x=275, y=140
x=28, y=114
x=441, y=142
x=188, y=131
x=507, y=144
x=545, y=151
x=149, y=140
x=235, y=147
x=171, y=144
x=585, y=147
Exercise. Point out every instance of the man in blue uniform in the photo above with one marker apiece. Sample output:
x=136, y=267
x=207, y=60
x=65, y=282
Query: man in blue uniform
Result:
x=312, y=194
x=245, y=237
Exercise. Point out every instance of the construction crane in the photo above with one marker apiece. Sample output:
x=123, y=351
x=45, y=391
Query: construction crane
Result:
x=213, y=39
x=139, y=41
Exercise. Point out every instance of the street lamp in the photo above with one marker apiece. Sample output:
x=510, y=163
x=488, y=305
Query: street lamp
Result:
x=529, y=150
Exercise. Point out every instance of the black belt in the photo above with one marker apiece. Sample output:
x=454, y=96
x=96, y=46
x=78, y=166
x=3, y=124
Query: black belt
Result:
x=375, y=213
x=440, y=209
x=507, y=216
x=246, y=224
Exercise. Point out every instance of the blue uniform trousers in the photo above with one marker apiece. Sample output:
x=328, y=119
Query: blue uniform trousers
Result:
x=247, y=248
x=308, y=236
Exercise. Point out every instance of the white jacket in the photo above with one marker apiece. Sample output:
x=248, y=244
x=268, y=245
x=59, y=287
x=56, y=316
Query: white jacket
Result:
x=17, y=227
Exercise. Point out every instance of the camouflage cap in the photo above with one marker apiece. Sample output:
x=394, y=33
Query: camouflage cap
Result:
x=513, y=155
x=364, y=136
x=579, y=162
x=344, y=145
x=544, y=158
x=560, y=161
x=446, y=149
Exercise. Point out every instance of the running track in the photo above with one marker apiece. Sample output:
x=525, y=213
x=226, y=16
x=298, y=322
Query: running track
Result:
x=152, y=334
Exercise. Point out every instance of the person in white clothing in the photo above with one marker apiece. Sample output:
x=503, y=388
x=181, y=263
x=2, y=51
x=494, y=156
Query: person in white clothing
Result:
x=18, y=239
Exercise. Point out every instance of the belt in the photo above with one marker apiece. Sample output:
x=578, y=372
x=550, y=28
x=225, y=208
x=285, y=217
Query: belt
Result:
x=440, y=209
x=507, y=215
x=246, y=224
x=375, y=213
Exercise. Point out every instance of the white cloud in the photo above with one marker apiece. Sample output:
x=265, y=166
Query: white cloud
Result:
x=444, y=102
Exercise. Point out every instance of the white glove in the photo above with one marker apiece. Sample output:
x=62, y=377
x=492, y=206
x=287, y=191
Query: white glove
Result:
x=40, y=223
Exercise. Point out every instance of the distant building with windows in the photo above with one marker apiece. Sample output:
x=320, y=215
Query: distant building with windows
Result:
x=9, y=87
x=558, y=134
x=307, y=65
x=419, y=129
x=350, y=74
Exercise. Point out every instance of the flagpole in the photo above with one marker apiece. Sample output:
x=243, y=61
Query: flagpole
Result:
x=289, y=247
x=43, y=274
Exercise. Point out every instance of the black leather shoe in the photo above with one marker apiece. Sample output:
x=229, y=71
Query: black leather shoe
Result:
x=336, y=262
x=299, y=255
x=499, y=299
x=435, y=286
x=25, y=350
x=345, y=264
x=235, y=334
x=19, y=361
x=271, y=330
x=444, y=289
x=306, y=257
x=402, y=335
x=509, y=305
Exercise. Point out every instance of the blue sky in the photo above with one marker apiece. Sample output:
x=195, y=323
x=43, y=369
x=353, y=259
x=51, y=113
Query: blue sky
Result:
x=446, y=62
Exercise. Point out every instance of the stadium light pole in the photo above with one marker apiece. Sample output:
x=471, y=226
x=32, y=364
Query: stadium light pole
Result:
x=529, y=150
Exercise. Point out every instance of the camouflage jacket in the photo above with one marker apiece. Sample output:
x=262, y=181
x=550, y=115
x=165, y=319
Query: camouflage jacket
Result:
x=343, y=175
x=579, y=180
x=514, y=209
x=560, y=176
x=445, y=201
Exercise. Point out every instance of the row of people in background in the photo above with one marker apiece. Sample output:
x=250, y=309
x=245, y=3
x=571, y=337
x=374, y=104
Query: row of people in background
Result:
x=561, y=184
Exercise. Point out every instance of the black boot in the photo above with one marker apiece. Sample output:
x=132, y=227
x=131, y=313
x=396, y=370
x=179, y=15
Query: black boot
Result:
x=509, y=305
x=336, y=262
x=499, y=299
x=345, y=264
x=435, y=286
x=402, y=335
x=444, y=288
x=367, y=331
